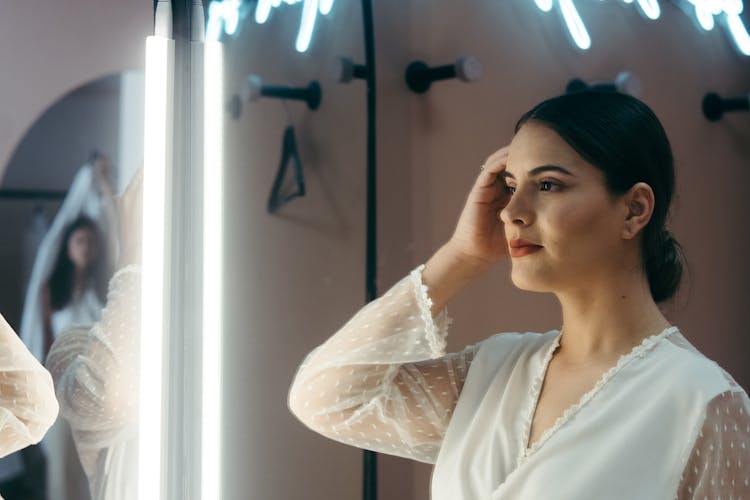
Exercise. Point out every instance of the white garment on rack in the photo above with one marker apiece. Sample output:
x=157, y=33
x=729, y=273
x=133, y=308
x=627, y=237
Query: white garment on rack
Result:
x=664, y=422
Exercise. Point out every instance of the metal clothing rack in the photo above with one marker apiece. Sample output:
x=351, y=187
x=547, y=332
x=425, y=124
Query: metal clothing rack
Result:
x=32, y=194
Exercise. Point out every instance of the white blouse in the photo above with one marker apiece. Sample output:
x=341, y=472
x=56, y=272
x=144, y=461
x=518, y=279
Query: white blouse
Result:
x=96, y=376
x=664, y=422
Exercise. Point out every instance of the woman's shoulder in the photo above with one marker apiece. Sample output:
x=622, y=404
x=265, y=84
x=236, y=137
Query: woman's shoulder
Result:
x=696, y=372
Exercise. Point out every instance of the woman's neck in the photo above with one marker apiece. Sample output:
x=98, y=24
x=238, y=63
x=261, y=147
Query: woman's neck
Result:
x=79, y=280
x=607, y=319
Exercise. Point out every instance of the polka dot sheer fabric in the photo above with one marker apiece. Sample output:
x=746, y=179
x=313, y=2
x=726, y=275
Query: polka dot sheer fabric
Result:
x=27, y=399
x=719, y=462
x=96, y=375
x=383, y=382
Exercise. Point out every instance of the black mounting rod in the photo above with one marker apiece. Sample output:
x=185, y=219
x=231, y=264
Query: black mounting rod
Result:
x=714, y=106
x=256, y=89
x=625, y=82
x=346, y=70
x=419, y=76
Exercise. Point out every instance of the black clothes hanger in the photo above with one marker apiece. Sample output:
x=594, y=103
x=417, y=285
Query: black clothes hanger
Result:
x=288, y=154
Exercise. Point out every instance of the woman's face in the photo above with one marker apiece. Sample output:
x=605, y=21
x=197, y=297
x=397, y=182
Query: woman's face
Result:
x=82, y=247
x=571, y=215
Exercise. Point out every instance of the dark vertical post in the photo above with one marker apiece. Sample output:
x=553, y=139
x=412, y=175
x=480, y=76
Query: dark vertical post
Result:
x=370, y=464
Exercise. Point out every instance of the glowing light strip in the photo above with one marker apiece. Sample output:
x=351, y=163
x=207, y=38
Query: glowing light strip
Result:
x=225, y=14
x=575, y=25
x=213, y=272
x=739, y=34
x=157, y=158
x=705, y=11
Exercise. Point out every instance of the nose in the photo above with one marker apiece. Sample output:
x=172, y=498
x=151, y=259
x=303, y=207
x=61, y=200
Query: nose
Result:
x=516, y=212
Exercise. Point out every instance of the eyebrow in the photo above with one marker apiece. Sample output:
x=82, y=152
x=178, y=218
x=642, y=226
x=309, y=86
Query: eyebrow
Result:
x=538, y=170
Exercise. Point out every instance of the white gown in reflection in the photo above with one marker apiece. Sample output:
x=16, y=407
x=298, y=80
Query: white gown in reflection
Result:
x=95, y=371
x=664, y=423
x=84, y=309
x=66, y=479
x=27, y=399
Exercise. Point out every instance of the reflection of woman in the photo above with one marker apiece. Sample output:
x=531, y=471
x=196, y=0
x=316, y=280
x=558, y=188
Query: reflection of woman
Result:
x=75, y=291
x=95, y=370
x=74, y=295
x=54, y=276
x=616, y=404
x=66, y=288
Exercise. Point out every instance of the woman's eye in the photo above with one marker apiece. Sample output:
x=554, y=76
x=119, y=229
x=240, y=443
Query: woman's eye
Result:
x=510, y=189
x=550, y=183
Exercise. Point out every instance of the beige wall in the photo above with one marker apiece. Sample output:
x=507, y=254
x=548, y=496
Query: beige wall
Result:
x=51, y=47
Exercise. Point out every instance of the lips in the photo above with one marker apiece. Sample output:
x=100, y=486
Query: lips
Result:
x=518, y=242
x=520, y=247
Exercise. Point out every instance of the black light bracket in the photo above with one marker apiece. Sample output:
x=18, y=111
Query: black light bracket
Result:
x=419, y=76
x=346, y=70
x=625, y=82
x=254, y=89
x=714, y=106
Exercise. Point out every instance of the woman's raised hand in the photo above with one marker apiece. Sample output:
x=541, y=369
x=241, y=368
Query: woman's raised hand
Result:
x=480, y=234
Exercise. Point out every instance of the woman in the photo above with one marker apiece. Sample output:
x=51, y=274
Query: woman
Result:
x=615, y=404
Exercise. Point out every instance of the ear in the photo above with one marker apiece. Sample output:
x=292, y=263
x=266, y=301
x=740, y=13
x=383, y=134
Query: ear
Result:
x=638, y=205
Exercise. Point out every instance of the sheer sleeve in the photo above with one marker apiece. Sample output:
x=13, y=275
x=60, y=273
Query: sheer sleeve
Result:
x=719, y=463
x=95, y=370
x=383, y=381
x=27, y=399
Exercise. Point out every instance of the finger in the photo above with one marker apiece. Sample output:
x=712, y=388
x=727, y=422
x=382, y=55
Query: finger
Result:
x=497, y=160
x=495, y=164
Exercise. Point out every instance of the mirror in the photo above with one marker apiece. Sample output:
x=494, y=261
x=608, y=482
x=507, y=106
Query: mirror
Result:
x=76, y=89
x=58, y=205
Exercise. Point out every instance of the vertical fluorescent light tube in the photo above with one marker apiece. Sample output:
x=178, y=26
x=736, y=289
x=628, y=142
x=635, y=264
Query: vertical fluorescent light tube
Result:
x=213, y=272
x=156, y=162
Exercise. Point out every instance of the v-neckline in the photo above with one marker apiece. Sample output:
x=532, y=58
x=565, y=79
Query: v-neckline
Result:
x=639, y=350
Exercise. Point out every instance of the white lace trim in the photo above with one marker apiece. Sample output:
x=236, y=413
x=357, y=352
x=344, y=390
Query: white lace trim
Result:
x=130, y=268
x=640, y=350
x=437, y=329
